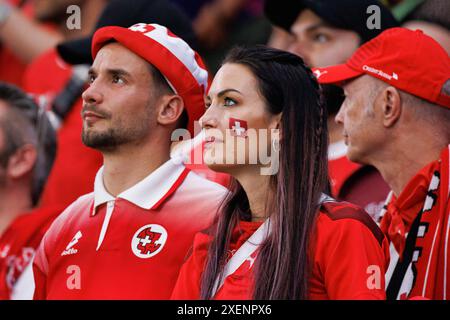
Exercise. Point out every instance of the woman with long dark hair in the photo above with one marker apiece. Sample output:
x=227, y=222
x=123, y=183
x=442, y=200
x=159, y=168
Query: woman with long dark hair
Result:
x=277, y=236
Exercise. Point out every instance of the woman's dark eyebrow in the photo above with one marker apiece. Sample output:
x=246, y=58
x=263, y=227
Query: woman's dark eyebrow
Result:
x=221, y=93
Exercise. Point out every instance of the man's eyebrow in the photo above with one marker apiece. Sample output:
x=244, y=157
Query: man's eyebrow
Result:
x=91, y=71
x=318, y=25
x=118, y=72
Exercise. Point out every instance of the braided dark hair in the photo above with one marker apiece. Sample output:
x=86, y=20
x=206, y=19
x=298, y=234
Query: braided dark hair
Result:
x=282, y=268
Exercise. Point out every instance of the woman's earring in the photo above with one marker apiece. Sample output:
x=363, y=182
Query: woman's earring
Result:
x=276, y=145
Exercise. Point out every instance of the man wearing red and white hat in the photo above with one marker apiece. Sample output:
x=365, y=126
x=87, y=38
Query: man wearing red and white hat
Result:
x=396, y=117
x=128, y=239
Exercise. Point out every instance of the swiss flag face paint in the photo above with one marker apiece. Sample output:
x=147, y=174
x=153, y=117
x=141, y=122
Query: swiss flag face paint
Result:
x=238, y=127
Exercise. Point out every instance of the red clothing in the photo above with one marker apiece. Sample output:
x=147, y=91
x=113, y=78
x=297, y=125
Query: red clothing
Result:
x=348, y=244
x=355, y=183
x=75, y=164
x=18, y=244
x=420, y=241
x=12, y=69
x=128, y=247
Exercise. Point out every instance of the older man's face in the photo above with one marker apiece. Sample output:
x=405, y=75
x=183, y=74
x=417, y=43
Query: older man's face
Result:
x=362, y=125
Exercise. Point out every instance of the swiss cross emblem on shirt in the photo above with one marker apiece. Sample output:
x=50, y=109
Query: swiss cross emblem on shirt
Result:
x=148, y=241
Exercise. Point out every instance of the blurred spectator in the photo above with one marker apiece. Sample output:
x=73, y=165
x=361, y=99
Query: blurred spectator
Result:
x=280, y=38
x=433, y=18
x=220, y=24
x=25, y=34
x=327, y=32
x=11, y=67
x=27, y=150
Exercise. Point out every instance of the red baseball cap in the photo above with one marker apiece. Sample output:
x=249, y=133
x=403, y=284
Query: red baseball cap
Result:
x=408, y=60
x=182, y=67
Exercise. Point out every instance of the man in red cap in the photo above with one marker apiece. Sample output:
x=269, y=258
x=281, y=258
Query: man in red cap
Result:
x=396, y=117
x=325, y=33
x=128, y=239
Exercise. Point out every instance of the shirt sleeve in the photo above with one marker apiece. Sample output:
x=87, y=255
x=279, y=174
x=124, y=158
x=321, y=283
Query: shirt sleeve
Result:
x=187, y=286
x=350, y=260
x=40, y=271
x=43, y=252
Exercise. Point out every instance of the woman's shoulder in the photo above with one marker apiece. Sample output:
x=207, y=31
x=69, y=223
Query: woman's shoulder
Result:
x=344, y=216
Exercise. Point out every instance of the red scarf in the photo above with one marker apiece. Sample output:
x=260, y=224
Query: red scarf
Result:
x=427, y=193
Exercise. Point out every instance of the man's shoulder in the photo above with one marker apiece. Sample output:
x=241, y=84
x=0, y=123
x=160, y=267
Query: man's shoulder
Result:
x=81, y=204
x=195, y=182
x=76, y=210
x=201, y=196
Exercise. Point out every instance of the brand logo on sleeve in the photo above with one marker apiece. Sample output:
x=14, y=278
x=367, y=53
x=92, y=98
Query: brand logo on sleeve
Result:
x=69, y=249
x=319, y=73
x=148, y=241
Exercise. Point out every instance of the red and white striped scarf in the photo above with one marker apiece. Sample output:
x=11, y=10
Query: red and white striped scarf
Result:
x=426, y=194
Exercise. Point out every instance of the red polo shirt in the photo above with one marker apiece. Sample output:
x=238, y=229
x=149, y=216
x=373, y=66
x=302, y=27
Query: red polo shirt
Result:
x=350, y=256
x=128, y=247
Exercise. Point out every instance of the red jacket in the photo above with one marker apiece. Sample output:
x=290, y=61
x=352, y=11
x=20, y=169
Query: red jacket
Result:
x=350, y=256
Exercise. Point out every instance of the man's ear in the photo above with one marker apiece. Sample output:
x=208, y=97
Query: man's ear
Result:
x=391, y=106
x=171, y=108
x=22, y=162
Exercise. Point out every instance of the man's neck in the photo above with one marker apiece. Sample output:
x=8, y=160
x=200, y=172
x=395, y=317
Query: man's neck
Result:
x=128, y=165
x=14, y=201
x=402, y=163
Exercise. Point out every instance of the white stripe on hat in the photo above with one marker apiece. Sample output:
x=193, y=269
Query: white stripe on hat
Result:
x=178, y=47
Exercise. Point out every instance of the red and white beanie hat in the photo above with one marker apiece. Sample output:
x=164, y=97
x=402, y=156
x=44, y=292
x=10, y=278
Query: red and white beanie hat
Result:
x=172, y=56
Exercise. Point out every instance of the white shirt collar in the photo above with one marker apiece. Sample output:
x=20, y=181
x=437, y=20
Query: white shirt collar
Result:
x=148, y=193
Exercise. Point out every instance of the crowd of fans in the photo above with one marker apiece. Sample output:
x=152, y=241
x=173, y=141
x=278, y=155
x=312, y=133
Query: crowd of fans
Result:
x=359, y=90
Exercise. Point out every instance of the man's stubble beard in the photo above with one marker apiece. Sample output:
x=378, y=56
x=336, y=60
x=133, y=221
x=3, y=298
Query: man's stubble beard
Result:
x=117, y=135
